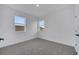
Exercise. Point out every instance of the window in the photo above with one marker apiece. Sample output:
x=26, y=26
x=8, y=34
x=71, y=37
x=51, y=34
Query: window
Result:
x=41, y=24
x=20, y=23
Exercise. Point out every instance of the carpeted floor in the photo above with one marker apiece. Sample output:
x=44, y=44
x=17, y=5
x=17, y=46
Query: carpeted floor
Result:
x=38, y=47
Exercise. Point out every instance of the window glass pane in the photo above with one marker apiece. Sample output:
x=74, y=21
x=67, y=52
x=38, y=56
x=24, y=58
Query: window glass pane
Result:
x=41, y=24
x=20, y=23
x=19, y=20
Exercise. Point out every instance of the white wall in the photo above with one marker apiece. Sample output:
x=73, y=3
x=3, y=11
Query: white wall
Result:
x=7, y=27
x=76, y=26
x=59, y=26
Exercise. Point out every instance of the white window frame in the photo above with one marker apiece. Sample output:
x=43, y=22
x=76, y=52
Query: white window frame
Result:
x=19, y=25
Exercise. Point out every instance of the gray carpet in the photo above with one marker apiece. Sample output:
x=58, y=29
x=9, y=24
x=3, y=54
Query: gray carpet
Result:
x=38, y=47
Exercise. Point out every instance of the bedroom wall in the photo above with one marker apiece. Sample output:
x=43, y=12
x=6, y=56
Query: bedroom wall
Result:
x=76, y=38
x=59, y=26
x=7, y=27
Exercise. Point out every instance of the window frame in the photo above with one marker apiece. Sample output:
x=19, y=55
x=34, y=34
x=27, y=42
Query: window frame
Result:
x=19, y=25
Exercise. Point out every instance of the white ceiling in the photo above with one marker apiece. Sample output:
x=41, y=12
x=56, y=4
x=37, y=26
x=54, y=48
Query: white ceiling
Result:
x=40, y=11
